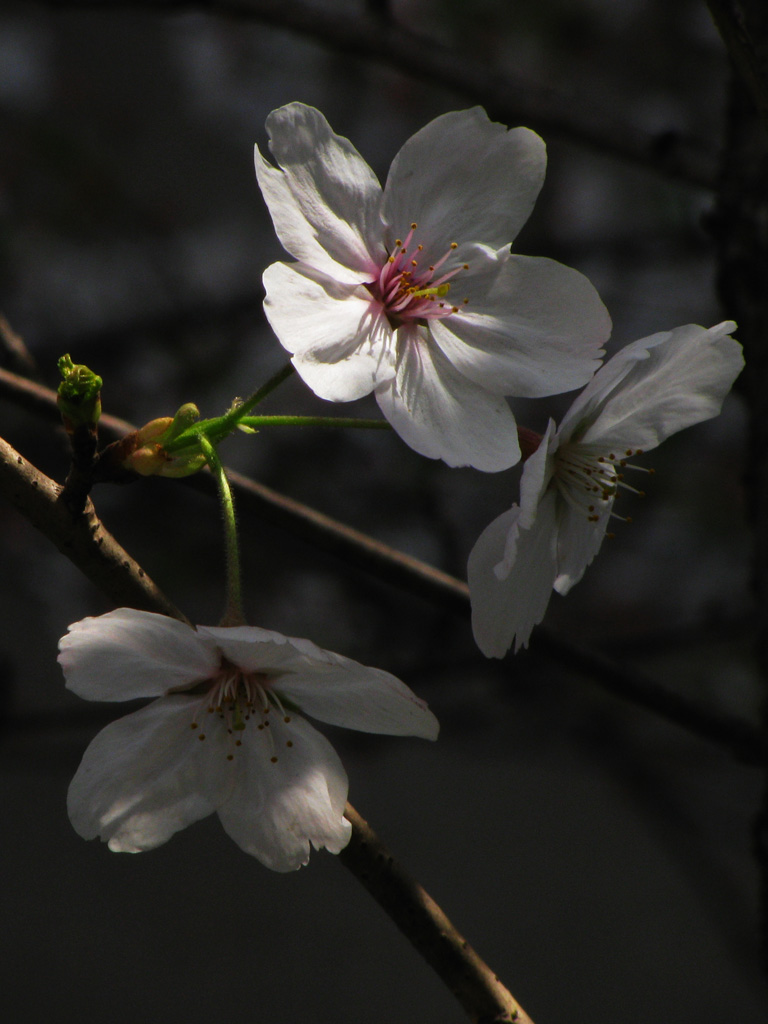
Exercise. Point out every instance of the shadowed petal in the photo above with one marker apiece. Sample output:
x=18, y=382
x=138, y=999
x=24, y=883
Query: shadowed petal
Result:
x=579, y=540
x=145, y=777
x=277, y=808
x=357, y=697
x=127, y=654
x=682, y=380
x=327, y=686
x=505, y=610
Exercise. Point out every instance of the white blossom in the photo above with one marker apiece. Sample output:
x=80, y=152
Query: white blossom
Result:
x=411, y=292
x=224, y=733
x=646, y=392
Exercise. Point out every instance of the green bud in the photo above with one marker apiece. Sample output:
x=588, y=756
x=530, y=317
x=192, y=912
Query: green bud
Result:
x=79, y=395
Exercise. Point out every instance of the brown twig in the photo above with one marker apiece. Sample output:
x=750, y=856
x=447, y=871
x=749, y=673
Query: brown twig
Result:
x=416, y=914
x=512, y=99
x=82, y=538
x=356, y=548
x=15, y=353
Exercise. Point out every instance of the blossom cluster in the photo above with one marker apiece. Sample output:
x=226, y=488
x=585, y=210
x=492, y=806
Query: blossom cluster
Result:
x=410, y=292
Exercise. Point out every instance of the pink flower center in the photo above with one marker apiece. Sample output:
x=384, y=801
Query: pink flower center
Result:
x=409, y=288
x=241, y=700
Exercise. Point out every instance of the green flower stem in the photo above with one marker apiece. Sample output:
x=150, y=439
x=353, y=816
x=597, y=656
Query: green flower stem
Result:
x=257, y=422
x=233, y=615
x=234, y=415
x=219, y=427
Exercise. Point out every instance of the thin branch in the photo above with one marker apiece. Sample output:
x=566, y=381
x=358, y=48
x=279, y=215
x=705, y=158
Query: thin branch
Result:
x=417, y=915
x=88, y=545
x=82, y=538
x=512, y=99
x=741, y=738
x=14, y=352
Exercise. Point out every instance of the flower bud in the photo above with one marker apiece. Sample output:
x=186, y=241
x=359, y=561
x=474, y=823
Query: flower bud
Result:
x=79, y=395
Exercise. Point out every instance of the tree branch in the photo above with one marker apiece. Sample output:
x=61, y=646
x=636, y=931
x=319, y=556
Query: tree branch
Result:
x=82, y=538
x=511, y=99
x=745, y=741
x=416, y=914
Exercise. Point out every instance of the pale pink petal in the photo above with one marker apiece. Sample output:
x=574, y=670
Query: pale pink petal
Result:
x=327, y=686
x=505, y=610
x=335, y=191
x=340, y=339
x=532, y=327
x=254, y=649
x=683, y=380
x=464, y=178
x=537, y=473
x=145, y=777
x=579, y=540
x=128, y=653
x=358, y=697
x=442, y=414
x=296, y=234
x=278, y=807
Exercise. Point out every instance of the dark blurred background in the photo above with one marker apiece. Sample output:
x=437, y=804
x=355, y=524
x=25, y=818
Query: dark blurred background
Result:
x=598, y=858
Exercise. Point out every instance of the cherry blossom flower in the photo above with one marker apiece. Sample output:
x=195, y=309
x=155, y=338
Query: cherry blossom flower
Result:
x=224, y=733
x=646, y=392
x=411, y=292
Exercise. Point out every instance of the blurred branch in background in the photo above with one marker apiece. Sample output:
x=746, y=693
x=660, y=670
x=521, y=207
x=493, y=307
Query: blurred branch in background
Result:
x=742, y=739
x=510, y=99
x=740, y=26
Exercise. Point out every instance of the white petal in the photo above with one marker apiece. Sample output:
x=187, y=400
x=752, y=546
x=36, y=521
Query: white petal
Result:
x=277, y=809
x=443, y=415
x=262, y=650
x=329, y=200
x=537, y=472
x=358, y=697
x=464, y=178
x=143, y=778
x=506, y=610
x=579, y=540
x=128, y=653
x=533, y=327
x=340, y=339
x=327, y=686
x=682, y=380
